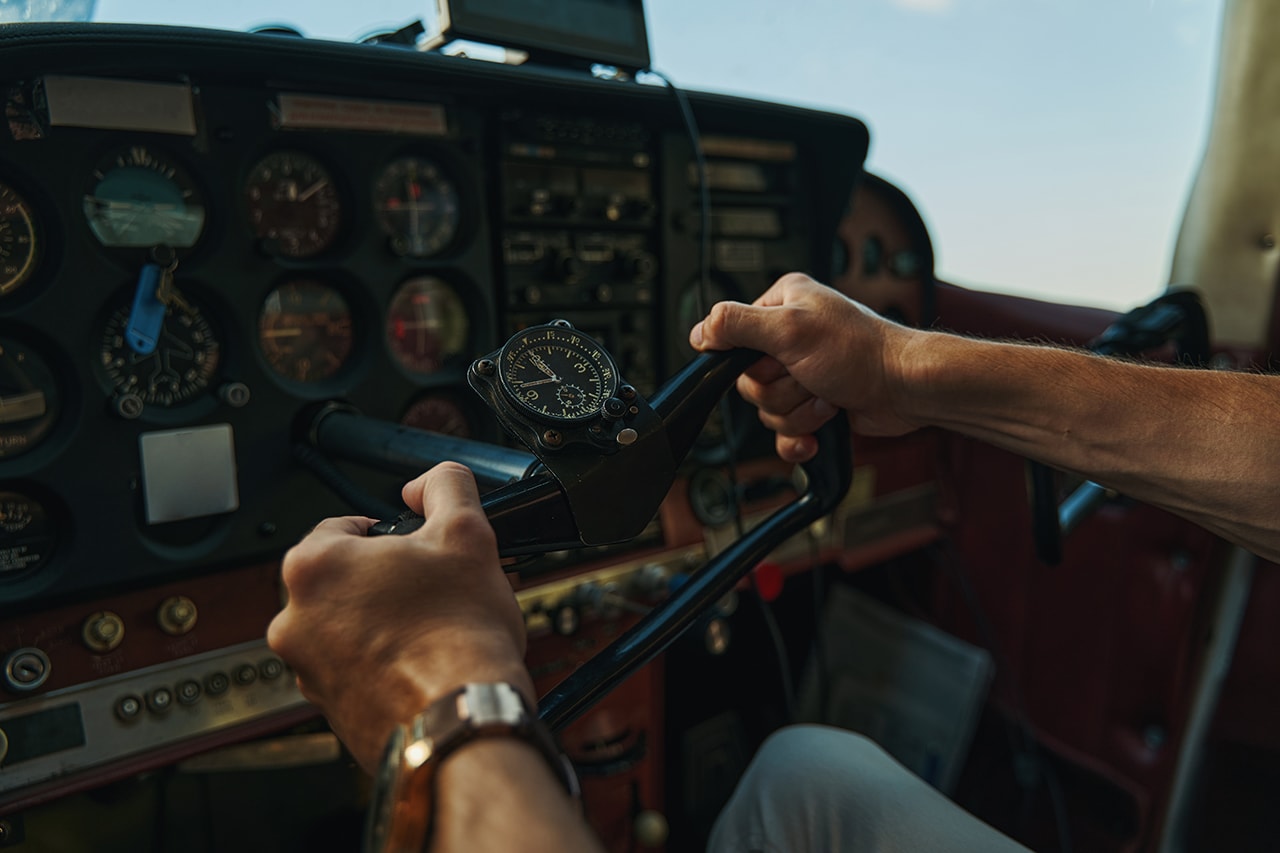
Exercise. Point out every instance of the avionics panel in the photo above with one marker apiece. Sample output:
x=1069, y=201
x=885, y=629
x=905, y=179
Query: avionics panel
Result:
x=310, y=223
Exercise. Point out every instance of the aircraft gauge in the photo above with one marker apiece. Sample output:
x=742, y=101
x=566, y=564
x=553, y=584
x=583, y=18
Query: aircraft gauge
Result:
x=417, y=207
x=179, y=369
x=426, y=324
x=18, y=245
x=29, y=403
x=141, y=198
x=293, y=204
x=304, y=330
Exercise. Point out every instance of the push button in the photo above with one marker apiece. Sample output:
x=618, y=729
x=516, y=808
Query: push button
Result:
x=189, y=692
x=246, y=674
x=215, y=684
x=128, y=708
x=160, y=700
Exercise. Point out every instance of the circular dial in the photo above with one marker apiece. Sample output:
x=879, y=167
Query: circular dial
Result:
x=304, y=330
x=181, y=367
x=17, y=240
x=28, y=534
x=142, y=199
x=438, y=413
x=417, y=206
x=28, y=399
x=557, y=373
x=426, y=324
x=293, y=204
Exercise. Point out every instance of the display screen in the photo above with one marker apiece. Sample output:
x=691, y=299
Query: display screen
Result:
x=610, y=32
x=44, y=732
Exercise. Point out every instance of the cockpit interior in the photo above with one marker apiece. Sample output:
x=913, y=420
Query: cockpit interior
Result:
x=244, y=278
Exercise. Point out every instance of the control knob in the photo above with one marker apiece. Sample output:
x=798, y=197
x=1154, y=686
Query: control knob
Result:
x=103, y=631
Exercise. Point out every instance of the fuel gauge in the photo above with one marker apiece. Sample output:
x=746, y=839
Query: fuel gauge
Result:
x=28, y=399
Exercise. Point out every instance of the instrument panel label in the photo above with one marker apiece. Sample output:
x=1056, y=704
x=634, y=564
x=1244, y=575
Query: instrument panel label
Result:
x=311, y=112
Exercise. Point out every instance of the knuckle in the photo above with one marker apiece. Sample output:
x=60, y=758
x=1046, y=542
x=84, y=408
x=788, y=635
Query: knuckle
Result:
x=468, y=532
x=720, y=316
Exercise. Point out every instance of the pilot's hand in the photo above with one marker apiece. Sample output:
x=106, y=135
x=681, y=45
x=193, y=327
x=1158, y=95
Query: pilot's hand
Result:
x=378, y=627
x=824, y=352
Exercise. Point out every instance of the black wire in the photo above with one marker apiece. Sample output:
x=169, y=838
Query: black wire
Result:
x=819, y=576
x=702, y=299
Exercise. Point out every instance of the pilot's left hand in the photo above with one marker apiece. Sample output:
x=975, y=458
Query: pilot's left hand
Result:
x=376, y=628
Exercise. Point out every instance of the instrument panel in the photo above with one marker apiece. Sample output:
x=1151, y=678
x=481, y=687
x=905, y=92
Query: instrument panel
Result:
x=206, y=236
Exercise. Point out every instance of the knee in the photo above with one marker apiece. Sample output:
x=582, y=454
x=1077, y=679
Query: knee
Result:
x=804, y=760
x=807, y=788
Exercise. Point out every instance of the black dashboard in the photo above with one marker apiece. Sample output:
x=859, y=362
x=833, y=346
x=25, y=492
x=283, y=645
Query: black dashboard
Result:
x=204, y=236
x=305, y=222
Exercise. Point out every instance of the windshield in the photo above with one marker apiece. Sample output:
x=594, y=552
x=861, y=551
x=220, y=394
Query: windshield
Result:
x=1050, y=146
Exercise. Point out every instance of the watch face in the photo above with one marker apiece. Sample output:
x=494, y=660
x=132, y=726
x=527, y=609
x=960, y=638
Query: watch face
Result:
x=556, y=373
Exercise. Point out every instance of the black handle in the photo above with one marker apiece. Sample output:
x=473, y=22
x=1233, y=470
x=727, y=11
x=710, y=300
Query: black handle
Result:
x=829, y=475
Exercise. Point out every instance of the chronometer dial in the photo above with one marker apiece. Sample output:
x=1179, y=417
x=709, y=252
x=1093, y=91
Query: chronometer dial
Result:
x=557, y=373
x=294, y=207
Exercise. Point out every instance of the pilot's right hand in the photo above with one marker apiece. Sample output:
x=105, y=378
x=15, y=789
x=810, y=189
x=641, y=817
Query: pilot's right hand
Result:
x=825, y=352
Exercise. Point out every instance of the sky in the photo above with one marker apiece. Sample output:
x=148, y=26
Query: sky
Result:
x=1050, y=144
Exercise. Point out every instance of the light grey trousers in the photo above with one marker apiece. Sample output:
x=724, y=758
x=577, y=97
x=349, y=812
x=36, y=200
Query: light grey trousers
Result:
x=814, y=788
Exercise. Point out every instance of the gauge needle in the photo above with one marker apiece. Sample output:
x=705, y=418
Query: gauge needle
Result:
x=539, y=382
x=20, y=407
x=312, y=190
x=536, y=361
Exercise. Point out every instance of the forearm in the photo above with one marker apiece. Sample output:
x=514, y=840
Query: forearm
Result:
x=499, y=794
x=1200, y=443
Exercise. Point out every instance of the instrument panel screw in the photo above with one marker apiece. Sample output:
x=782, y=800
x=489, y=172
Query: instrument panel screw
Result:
x=485, y=367
x=234, y=394
x=552, y=438
x=626, y=392
x=128, y=406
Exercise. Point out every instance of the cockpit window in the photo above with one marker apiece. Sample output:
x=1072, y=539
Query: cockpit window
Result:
x=1050, y=146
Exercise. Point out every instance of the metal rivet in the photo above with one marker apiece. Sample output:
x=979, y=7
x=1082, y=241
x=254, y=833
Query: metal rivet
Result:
x=551, y=438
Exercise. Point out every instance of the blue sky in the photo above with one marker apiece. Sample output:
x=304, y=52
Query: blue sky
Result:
x=1050, y=143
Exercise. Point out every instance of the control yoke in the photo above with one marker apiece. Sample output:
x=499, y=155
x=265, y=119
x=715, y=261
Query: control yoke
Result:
x=595, y=477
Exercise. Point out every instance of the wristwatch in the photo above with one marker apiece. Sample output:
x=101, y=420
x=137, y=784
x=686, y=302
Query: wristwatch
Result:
x=404, y=797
